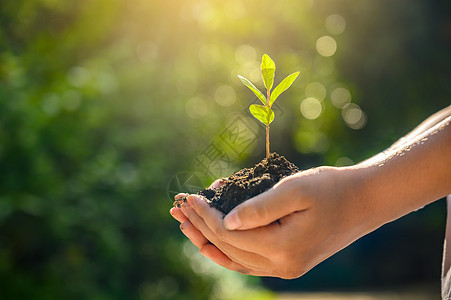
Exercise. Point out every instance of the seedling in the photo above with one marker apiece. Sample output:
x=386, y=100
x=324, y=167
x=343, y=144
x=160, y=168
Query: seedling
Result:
x=264, y=113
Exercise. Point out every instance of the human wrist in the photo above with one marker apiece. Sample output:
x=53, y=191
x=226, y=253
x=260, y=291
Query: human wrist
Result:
x=376, y=192
x=361, y=205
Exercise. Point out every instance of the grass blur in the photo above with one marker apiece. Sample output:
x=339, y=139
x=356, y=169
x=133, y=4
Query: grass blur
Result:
x=105, y=104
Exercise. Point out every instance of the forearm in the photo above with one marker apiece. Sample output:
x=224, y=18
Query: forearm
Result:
x=414, y=134
x=408, y=176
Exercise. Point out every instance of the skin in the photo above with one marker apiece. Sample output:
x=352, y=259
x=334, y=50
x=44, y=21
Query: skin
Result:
x=322, y=210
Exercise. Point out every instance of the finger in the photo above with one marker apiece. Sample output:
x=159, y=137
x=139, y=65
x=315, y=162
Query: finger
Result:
x=217, y=183
x=180, y=195
x=236, y=254
x=212, y=252
x=241, y=250
x=177, y=214
x=211, y=219
x=179, y=199
x=265, y=208
x=194, y=235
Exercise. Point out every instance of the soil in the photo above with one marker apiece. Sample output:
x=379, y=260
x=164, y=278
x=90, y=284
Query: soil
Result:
x=247, y=183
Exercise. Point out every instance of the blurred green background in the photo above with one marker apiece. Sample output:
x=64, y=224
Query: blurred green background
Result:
x=107, y=105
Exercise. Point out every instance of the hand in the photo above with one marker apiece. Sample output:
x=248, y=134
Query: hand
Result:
x=283, y=232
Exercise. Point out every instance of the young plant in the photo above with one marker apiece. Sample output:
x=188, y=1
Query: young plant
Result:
x=264, y=113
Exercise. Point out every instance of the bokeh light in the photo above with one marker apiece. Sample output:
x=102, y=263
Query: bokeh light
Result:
x=326, y=46
x=340, y=96
x=344, y=161
x=354, y=117
x=316, y=90
x=335, y=24
x=245, y=54
x=311, y=108
x=225, y=95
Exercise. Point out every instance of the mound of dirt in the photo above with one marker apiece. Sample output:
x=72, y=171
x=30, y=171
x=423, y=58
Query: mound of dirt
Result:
x=247, y=183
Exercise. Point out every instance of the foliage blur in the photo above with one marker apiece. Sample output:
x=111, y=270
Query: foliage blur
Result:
x=104, y=102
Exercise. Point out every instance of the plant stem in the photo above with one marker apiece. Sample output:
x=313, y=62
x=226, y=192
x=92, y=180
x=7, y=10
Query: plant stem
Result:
x=267, y=141
x=268, y=96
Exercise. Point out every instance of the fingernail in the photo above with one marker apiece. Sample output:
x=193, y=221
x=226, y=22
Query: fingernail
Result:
x=192, y=198
x=184, y=210
x=183, y=226
x=232, y=221
x=189, y=199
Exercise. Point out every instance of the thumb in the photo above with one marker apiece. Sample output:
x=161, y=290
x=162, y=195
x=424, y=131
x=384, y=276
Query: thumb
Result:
x=263, y=209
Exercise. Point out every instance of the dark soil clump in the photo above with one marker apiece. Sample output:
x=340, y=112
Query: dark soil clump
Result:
x=247, y=183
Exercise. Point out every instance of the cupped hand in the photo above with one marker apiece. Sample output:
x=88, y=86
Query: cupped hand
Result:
x=283, y=232
x=198, y=238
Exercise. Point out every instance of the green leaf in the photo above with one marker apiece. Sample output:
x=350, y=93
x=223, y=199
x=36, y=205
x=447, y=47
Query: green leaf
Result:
x=282, y=87
x=263, y=113
x=252, y=87
x=268, y=69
